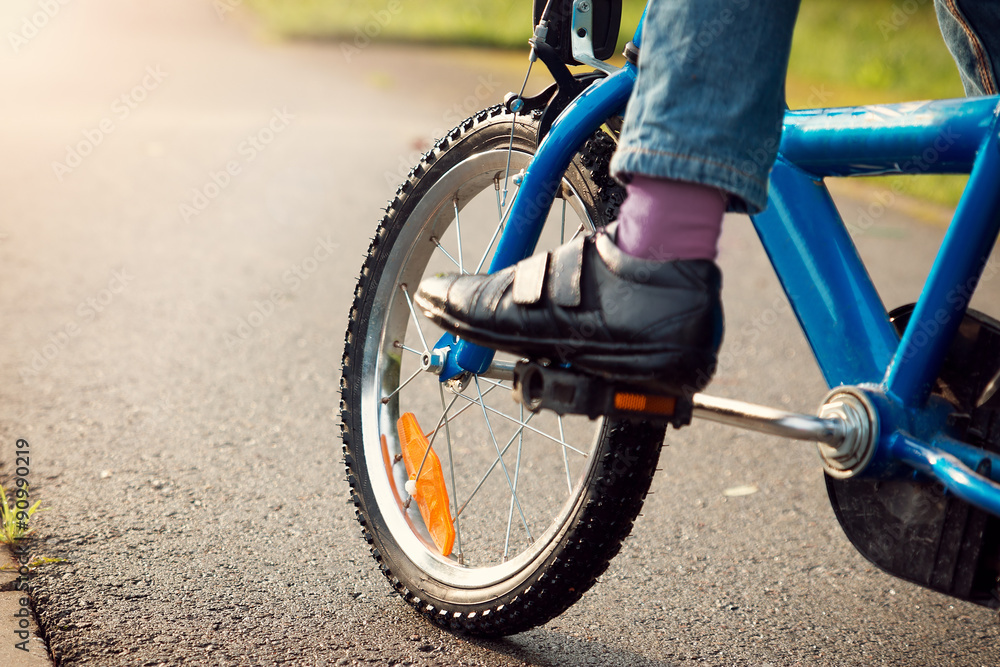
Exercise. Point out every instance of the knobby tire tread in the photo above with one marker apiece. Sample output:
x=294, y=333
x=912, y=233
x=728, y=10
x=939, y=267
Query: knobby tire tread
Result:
x=626, y=456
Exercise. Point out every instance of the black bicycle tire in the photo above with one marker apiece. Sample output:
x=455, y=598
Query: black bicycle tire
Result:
x=616, y=483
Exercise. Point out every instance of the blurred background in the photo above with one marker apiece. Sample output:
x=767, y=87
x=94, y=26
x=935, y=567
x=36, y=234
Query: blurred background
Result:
x=844, y=52
x=867, y=51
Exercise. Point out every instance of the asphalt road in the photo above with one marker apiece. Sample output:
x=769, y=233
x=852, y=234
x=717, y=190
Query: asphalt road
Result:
x=165, y=170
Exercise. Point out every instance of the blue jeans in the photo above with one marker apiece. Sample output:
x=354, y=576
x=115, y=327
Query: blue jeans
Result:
x=709, y=101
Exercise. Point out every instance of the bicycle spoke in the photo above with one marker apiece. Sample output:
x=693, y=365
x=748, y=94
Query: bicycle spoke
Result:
x=503, y=466
x=562, y=436
x=530, y=428
x=525, y=425
x=413, y=313
x=492, y=465
x=430, y=443
x=455, y=416
x=458, y=230
x=386, y=399
x=454, y=485
x=399, y=345
x=493, y=240
x=496, y=232
x=496, y=186
x=447, y=254
x=503, y=221
x=517, y=475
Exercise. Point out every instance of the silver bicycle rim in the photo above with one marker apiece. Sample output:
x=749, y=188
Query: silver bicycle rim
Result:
x=390, y=361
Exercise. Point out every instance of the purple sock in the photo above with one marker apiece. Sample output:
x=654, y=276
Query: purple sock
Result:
x=664, y=219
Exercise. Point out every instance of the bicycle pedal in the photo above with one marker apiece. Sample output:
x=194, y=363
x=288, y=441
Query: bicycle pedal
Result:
x=538, y=387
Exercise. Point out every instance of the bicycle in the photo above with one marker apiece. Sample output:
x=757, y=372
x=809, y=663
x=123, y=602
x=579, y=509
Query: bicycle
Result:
x=497, y=526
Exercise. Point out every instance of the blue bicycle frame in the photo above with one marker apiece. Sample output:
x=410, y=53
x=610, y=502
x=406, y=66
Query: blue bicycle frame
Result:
x=817, y=263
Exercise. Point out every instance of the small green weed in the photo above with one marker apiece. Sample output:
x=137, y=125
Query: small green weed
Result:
x=34, y=564
x=14, y=522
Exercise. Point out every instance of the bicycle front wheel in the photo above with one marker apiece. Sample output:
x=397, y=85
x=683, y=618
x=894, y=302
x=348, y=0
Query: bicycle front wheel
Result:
x=537, y=505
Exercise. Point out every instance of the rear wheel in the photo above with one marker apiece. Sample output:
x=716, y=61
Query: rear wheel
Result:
x=538, y=504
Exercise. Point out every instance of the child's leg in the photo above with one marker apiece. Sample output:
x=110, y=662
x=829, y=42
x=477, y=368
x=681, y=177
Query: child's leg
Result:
x=709, y=100
x=664, y=219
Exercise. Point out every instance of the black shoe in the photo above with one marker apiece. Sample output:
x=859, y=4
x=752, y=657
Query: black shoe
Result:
x=658, y=324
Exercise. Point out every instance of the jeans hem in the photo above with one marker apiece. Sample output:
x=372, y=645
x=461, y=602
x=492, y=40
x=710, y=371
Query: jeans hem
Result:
x=748, y=194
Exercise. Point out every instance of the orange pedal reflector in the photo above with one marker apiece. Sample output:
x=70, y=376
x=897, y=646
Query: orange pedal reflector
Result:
x=431, y=493
x=657, y=405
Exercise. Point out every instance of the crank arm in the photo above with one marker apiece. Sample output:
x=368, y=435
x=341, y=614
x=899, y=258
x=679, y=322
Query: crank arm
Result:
x=846, y=429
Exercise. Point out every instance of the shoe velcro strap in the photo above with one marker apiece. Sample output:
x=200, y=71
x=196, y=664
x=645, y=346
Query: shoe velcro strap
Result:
x=529, y=279
x=562, y=268
x=567, y=270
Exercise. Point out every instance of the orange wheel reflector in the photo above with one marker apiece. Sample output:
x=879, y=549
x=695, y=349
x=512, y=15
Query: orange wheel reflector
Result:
x=658, y=405
x=431, y=493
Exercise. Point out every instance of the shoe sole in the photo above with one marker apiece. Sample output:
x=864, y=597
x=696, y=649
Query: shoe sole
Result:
x=658, y=368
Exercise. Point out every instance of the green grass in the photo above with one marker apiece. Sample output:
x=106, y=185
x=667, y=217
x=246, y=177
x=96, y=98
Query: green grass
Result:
x=860, y=51
x=844, y=52
x=872, y=52
x=12, y=526
x=33, y=564
x=458, y=22
x=471, y=22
